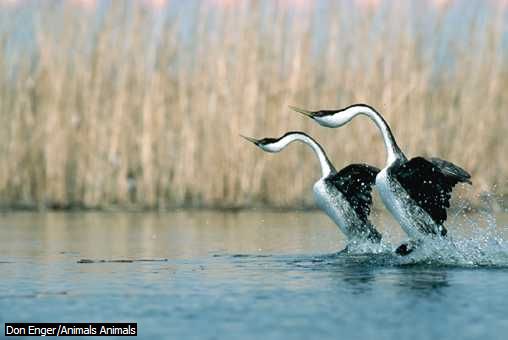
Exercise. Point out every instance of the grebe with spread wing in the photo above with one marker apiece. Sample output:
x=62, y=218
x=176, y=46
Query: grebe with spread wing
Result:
x=417, y=191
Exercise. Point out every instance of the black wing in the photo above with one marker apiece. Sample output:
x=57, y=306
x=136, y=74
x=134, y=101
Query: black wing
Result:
x=455, y=174
x=429, y=183
x=355, y=183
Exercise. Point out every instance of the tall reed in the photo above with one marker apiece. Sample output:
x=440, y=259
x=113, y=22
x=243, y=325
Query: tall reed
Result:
x=126, y=107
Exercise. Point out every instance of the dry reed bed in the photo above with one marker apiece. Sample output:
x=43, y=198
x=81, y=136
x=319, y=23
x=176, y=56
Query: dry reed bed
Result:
x=119, y=111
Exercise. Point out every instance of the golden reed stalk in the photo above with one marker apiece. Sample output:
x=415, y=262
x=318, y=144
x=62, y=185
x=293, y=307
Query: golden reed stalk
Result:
x=121, y=109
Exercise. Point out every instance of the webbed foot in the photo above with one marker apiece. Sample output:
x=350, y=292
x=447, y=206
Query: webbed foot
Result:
x=404, y=249
x=407, y=248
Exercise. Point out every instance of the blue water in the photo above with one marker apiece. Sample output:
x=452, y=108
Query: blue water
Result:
x=206, y=275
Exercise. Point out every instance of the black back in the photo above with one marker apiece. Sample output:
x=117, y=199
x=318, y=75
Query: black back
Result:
x=355, y=183
x=429, y=183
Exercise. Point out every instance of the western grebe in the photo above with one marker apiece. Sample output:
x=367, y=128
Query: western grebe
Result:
x=416, y=191
x=345, y=196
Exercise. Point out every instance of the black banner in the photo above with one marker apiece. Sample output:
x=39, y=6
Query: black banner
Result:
x=71, y=329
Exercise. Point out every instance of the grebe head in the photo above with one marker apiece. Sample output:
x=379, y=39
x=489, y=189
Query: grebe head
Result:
x=277, y=144
x=326, y=118
x=340, y=117
x=266, y=144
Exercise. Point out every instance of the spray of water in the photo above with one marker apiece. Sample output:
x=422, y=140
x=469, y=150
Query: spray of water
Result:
x=475, y=239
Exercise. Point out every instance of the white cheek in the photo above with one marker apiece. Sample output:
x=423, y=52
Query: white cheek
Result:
x=337, y=121
x=269, y=148
x=329, y=121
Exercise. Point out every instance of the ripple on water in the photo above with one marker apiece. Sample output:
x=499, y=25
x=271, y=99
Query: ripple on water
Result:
x=174, y=287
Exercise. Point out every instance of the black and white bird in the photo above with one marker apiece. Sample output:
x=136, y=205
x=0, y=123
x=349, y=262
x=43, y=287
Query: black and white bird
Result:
x=417, y=191
x=345, y=196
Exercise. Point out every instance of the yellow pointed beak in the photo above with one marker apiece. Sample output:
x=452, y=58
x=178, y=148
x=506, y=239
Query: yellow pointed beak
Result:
x=307, y=113
x=253, y=140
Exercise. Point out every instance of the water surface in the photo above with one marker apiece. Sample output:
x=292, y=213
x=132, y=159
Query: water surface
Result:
x=251, y=275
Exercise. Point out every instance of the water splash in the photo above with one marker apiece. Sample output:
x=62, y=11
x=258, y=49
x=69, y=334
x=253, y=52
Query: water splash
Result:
x=475, y=240
x=366, y=247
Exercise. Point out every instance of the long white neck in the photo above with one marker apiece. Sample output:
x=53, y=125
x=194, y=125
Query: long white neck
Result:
x=326, y=166
x=393, y=151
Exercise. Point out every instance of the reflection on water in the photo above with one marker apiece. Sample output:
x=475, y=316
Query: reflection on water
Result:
x=174, y=235
x=273, y=275
x=426, y=281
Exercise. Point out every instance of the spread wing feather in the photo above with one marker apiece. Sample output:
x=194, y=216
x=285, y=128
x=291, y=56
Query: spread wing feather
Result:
x=453, y=172
x=355, y=183
x=429, y=183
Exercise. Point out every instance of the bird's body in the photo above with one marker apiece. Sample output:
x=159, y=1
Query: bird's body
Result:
x=349, y=207
x=416, y=191
x=411, y=217
x=345, y=195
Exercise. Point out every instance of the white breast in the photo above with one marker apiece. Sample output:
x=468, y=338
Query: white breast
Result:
x=386, y=192
x=332, y=202
x=411, y=217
